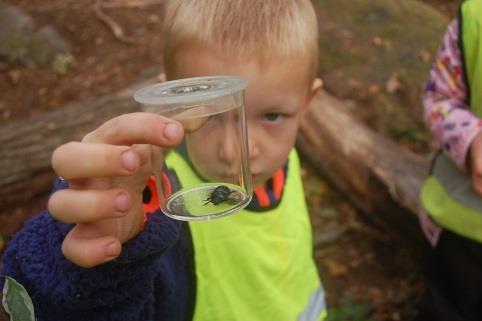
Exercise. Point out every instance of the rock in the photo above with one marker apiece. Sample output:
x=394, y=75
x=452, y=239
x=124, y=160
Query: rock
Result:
x=21, y=43
x=380, y=44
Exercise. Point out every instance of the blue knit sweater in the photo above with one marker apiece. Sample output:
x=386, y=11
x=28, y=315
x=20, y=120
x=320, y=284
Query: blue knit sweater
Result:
x=151, y=280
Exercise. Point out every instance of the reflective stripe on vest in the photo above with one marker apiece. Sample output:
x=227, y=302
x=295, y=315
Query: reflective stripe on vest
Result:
x=448, y=195
x=316, y=309
x=456, y=183
x=449, y=198
x=256, y=266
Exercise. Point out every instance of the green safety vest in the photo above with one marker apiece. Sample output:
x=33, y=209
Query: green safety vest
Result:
x=448, y=195
x=256, y=265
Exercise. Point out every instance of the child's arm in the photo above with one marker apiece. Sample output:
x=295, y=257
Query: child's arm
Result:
x=447, y=114
x=91, y=228
x=123, y=289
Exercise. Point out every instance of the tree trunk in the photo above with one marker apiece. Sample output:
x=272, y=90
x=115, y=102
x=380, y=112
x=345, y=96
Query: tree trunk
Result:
x=380, y=177
x=27, y=145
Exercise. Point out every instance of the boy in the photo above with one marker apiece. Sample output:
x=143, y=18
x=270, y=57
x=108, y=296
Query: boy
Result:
x=254, y=265
x=451, y=219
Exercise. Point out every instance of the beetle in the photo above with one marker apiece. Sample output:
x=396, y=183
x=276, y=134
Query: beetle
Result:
x=218, y=195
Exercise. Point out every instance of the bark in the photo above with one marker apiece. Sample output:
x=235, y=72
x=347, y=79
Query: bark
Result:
x=27, y=145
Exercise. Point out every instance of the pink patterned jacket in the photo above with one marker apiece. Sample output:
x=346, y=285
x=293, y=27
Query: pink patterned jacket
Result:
x=446, y=111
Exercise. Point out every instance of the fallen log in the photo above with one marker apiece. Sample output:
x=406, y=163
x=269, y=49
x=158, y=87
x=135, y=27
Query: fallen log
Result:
x=379, y=176
x=26, y=145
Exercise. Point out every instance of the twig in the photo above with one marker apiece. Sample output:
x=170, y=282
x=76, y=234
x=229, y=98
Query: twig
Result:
x=130, y=3
x=113, y=26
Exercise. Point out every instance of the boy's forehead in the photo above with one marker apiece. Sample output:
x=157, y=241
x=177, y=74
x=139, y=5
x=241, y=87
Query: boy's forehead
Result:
x=199, y=60
x=279, y=82
x=278, y=86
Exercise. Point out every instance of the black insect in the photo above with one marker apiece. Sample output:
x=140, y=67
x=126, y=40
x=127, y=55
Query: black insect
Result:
x=218, y=195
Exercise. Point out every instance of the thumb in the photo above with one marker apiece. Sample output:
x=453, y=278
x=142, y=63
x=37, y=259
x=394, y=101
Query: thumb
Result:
x=477, y=182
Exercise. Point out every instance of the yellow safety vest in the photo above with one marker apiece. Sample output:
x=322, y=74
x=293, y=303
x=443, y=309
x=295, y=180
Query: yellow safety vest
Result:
x=448, y=195
x=256, y=265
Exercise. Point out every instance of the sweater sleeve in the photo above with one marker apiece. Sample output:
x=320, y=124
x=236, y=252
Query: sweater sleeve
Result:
x=119, y=290
x=446, y=112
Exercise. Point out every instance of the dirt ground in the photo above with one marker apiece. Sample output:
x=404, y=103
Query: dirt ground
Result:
x=364, y=280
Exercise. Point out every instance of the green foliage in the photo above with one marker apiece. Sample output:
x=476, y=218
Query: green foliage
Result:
x=62, y=63
x=404, y=134
x=17, y=47
x=350, y=311
x=17, y=302
x=21, y=42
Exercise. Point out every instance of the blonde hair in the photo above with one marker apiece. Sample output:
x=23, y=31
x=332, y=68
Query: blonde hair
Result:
x=265, y=29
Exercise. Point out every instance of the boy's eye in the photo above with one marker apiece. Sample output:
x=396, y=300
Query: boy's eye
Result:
x=272, y=117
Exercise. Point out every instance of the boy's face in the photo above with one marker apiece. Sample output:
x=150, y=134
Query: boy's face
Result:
x=276, y=98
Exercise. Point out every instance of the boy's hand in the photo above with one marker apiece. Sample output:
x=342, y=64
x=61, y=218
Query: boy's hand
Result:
x=475, y=159
x=107, y=173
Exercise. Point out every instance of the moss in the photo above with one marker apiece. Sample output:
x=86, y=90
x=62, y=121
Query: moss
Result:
x=22, y=43
x=366, y=42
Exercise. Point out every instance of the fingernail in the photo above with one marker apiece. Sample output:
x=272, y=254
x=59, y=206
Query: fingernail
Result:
x=171, y=130
x=121, y=202
x=129, y=160
x=112, y=249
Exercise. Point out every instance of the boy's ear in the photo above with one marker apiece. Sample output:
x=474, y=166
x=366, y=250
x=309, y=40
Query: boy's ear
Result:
x=317, y=85
x=315, y=88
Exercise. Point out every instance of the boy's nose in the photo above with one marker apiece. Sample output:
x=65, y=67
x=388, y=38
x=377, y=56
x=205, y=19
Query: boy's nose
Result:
x=253, y=148
x=229, y=148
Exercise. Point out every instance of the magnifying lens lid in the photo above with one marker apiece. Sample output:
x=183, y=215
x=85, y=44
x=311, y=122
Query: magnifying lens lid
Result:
x=190, y=90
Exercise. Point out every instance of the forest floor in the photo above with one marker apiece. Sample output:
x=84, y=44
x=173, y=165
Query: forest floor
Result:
x=368, y=275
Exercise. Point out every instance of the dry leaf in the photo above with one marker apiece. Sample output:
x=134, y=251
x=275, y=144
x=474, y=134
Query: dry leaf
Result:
x=425, y=55
x=14, y=76
x=336, y=269
x=373, y=89
x=377, y=41
x=393, y=84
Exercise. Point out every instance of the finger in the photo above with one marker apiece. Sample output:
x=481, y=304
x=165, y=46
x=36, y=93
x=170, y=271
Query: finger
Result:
x=476, y=165
x=78, y=206
x=477, y=183
x=89, y=252
x=138, y=128
x=476, y=169
x=190, y=123
x=81, y=160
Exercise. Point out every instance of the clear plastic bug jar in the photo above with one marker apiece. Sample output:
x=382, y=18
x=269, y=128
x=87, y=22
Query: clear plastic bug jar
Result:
x=206, y=176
